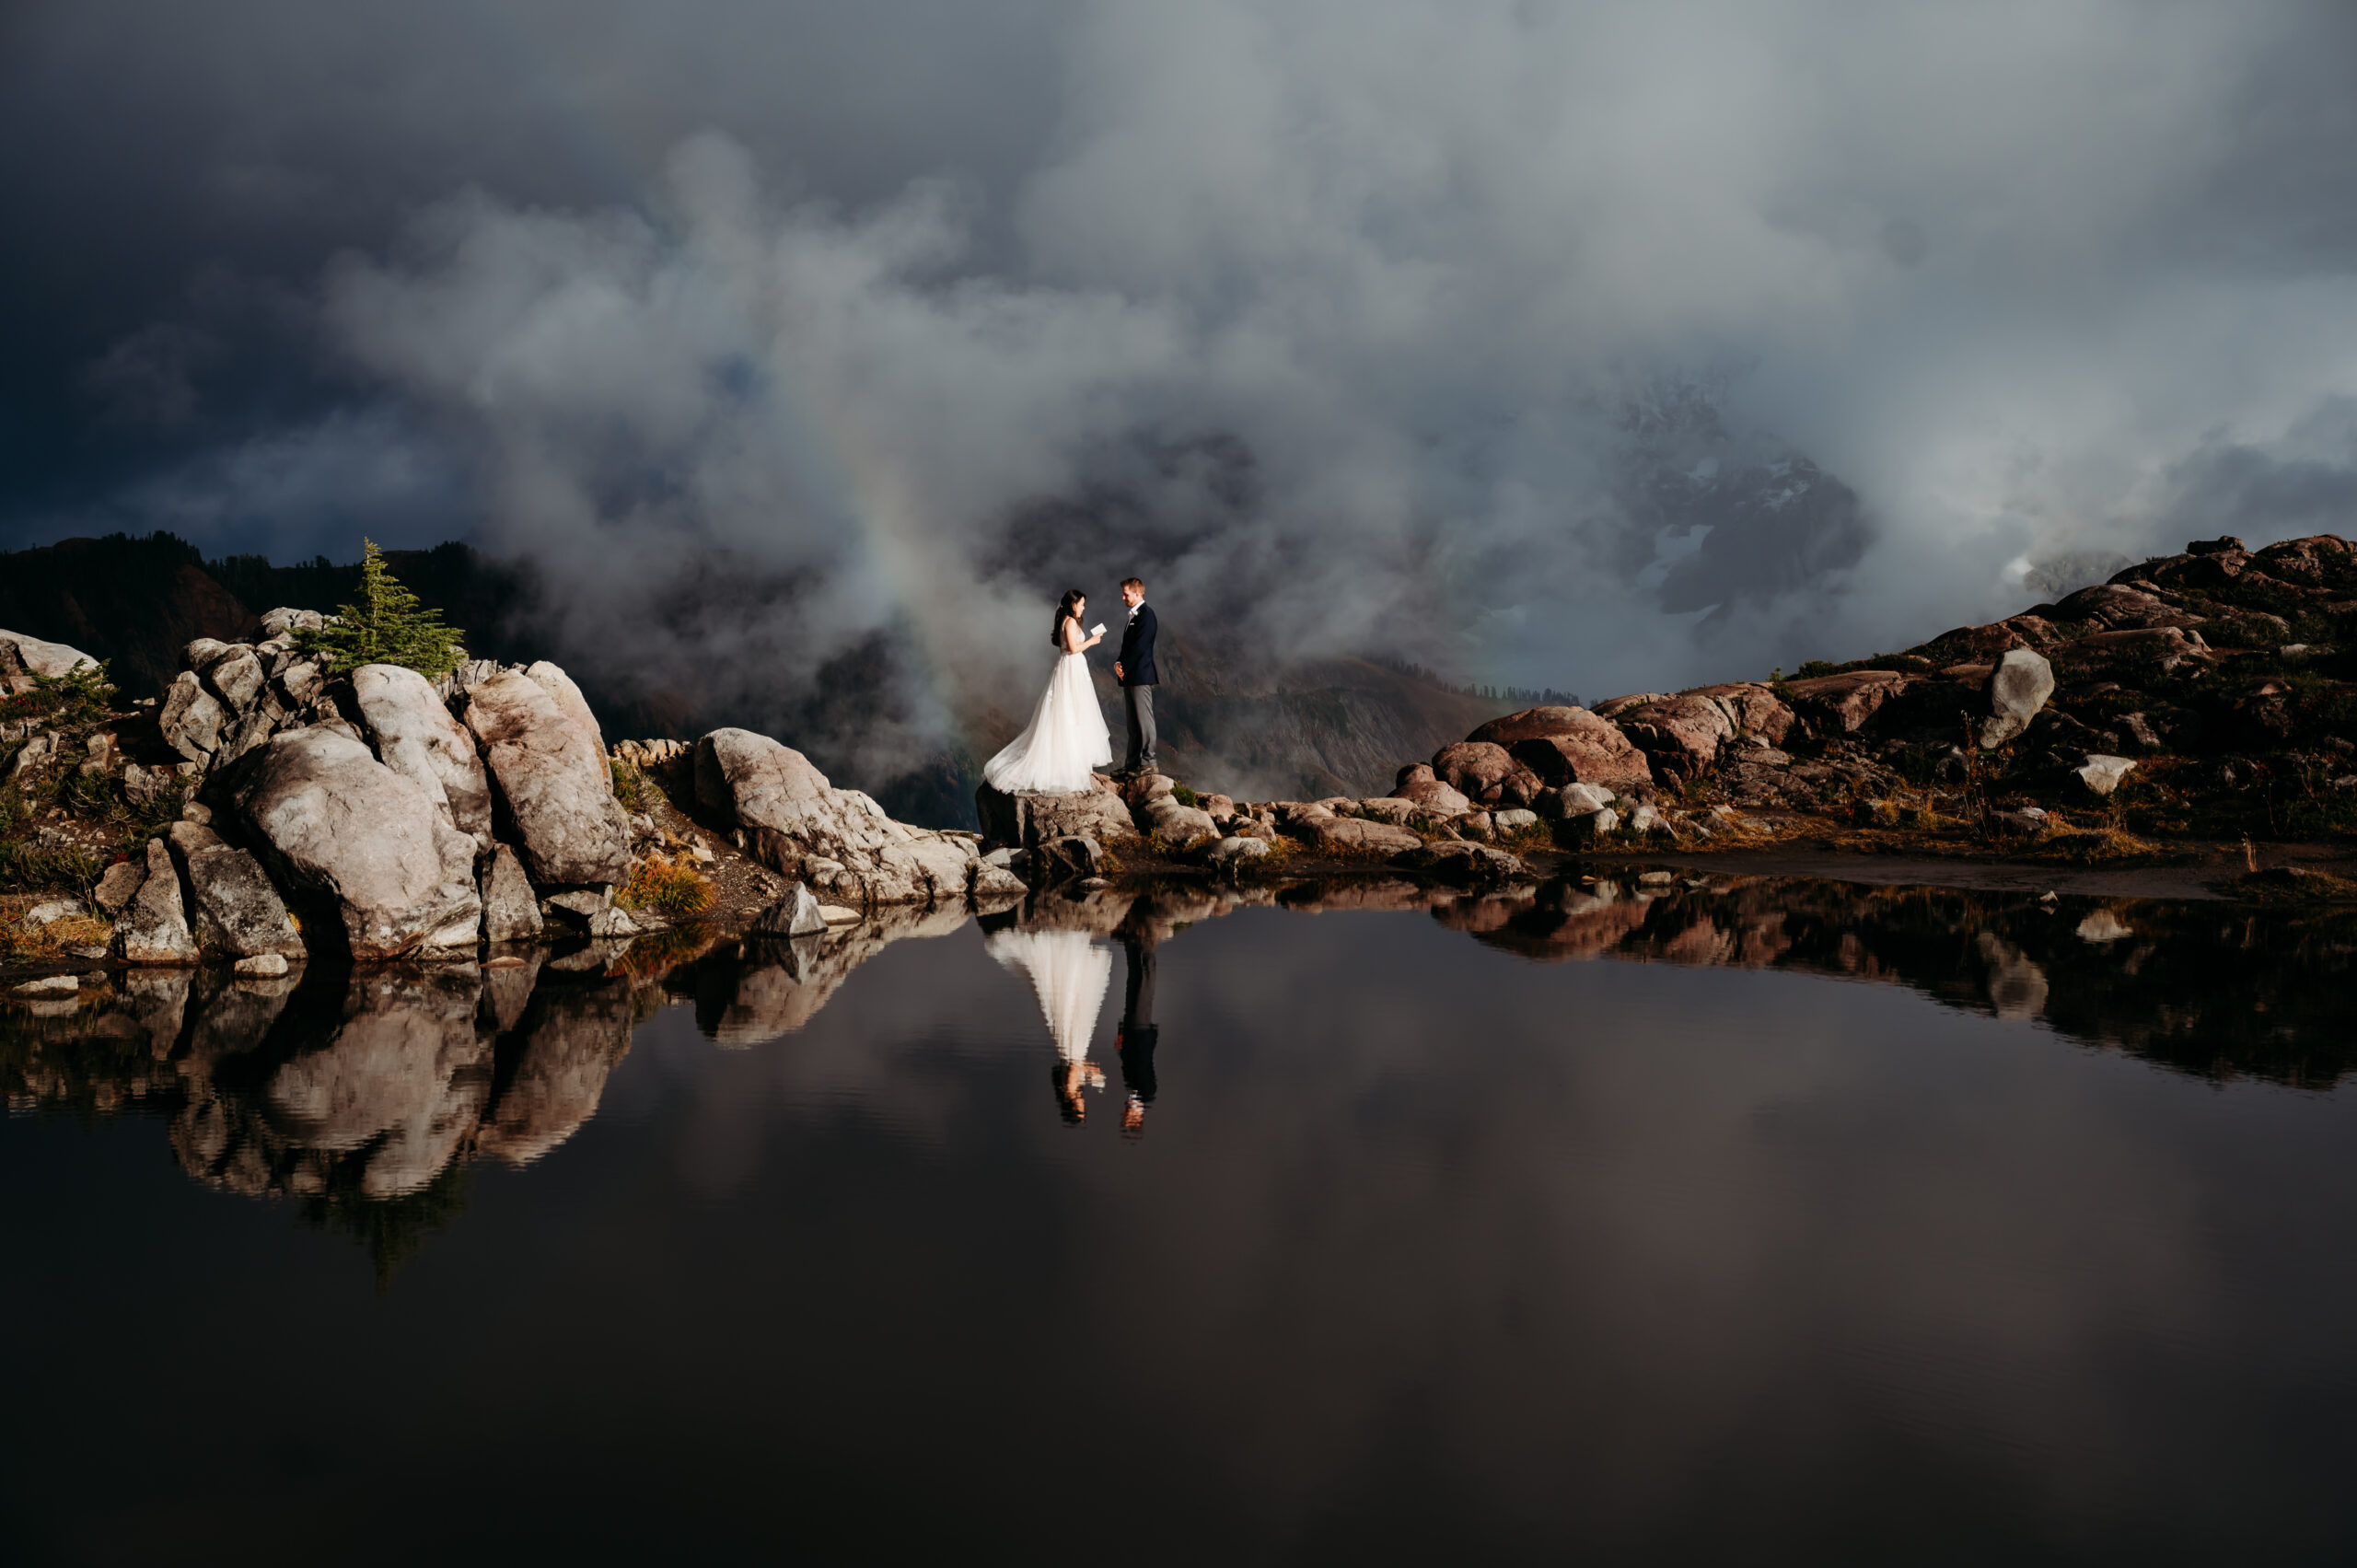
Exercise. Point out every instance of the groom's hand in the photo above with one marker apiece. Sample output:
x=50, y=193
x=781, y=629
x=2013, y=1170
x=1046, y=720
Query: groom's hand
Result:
x=1116, y=669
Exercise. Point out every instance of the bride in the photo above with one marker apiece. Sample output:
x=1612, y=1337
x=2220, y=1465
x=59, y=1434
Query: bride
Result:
x=1066, y=738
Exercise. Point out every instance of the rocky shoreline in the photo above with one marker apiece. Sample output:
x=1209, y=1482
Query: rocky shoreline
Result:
x=2188, y=712
x=2193, y=709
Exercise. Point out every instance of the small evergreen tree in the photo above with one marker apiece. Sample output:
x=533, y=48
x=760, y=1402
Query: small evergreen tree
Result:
x=388, y=626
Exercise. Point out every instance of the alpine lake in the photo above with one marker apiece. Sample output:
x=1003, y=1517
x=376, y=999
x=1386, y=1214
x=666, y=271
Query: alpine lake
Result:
x=1720, y=1219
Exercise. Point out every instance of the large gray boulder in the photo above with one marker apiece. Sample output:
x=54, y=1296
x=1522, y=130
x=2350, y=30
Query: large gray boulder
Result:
x=568, y=699
x=22, y=656
x=756, y=782
x=415, y=735
x=341, y=829
x=839, y=840
x=551, y=776
x=153, y=927
x=2019, y=687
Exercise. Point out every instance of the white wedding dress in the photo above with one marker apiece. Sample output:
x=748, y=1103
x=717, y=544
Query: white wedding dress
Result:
x=1065, y=742
x=1068, y=972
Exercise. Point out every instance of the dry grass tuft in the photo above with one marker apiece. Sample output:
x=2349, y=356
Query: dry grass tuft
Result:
x=667, y=885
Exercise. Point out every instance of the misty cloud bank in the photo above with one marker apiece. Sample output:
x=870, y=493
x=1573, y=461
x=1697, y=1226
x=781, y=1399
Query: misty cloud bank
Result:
x=1605, y=348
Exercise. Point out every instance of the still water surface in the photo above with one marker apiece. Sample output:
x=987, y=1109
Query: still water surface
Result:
x=1810, y=1223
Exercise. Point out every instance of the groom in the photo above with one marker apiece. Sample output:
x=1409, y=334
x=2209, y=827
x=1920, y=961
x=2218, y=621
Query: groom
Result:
x=1134, y=670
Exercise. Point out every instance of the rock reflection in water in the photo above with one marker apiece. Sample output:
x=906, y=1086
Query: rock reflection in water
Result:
x=374, y=1086
x=2219, y=989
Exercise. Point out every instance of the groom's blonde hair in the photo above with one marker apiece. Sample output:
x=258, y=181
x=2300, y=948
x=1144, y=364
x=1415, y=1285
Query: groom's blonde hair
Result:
x=1137, y=583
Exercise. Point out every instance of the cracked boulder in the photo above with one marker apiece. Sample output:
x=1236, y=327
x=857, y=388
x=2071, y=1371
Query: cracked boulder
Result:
x=552, y=783
x=360, y=843
x=415, y=735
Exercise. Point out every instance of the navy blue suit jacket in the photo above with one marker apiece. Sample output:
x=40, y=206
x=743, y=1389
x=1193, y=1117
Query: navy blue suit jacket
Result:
x=1136, y=657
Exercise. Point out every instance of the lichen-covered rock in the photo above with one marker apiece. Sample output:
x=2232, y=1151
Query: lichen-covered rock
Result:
x=236, y=678
x=344, y=833
x=153, y=927
x=1750, y=707
x=553, y=781
x=2102, y=774
x=120, y=885
x=1020, y=821
x=1325, y=828
x=1418, y=786
x=415, y=735
x=238, y=913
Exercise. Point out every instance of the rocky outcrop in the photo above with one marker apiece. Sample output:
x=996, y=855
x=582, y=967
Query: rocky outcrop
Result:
x=568, y=699
x=415, y=735
x=1023, y=822
x=1485, y=773
x=1680, y=735
x=1568, y=745
x=360, y=842
x=840, y=841
x=234, y=696
x=1422, y=788
x=22, y=657
x=1840, y=704
x=553, y=788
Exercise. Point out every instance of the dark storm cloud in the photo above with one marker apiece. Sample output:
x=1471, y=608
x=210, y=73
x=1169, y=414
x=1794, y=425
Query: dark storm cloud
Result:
x=1342, y=318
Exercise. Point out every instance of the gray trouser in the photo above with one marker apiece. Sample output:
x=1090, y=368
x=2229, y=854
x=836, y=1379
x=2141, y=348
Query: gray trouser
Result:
x=1138, y=702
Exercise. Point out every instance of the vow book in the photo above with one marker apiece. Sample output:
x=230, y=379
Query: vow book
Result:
x=1097, y=629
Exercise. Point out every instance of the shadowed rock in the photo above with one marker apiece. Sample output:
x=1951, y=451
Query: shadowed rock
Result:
x=510, y=912
x=153, y=927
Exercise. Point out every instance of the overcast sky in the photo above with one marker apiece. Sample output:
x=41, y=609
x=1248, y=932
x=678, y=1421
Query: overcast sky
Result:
x=1490, y=334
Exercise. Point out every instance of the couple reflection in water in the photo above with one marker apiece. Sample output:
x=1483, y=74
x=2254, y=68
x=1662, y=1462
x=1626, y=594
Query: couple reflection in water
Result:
x=1070, y=972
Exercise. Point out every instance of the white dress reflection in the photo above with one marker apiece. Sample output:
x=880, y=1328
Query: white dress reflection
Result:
x=1070, y=974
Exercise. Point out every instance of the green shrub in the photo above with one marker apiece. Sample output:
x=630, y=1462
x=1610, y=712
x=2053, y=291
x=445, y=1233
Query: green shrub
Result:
x=636, y=792
x=69, y=702
x=1184, y=796
x=388, y=626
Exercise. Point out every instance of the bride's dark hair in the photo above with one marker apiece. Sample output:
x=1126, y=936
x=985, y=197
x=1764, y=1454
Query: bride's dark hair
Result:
x=1063, y=610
